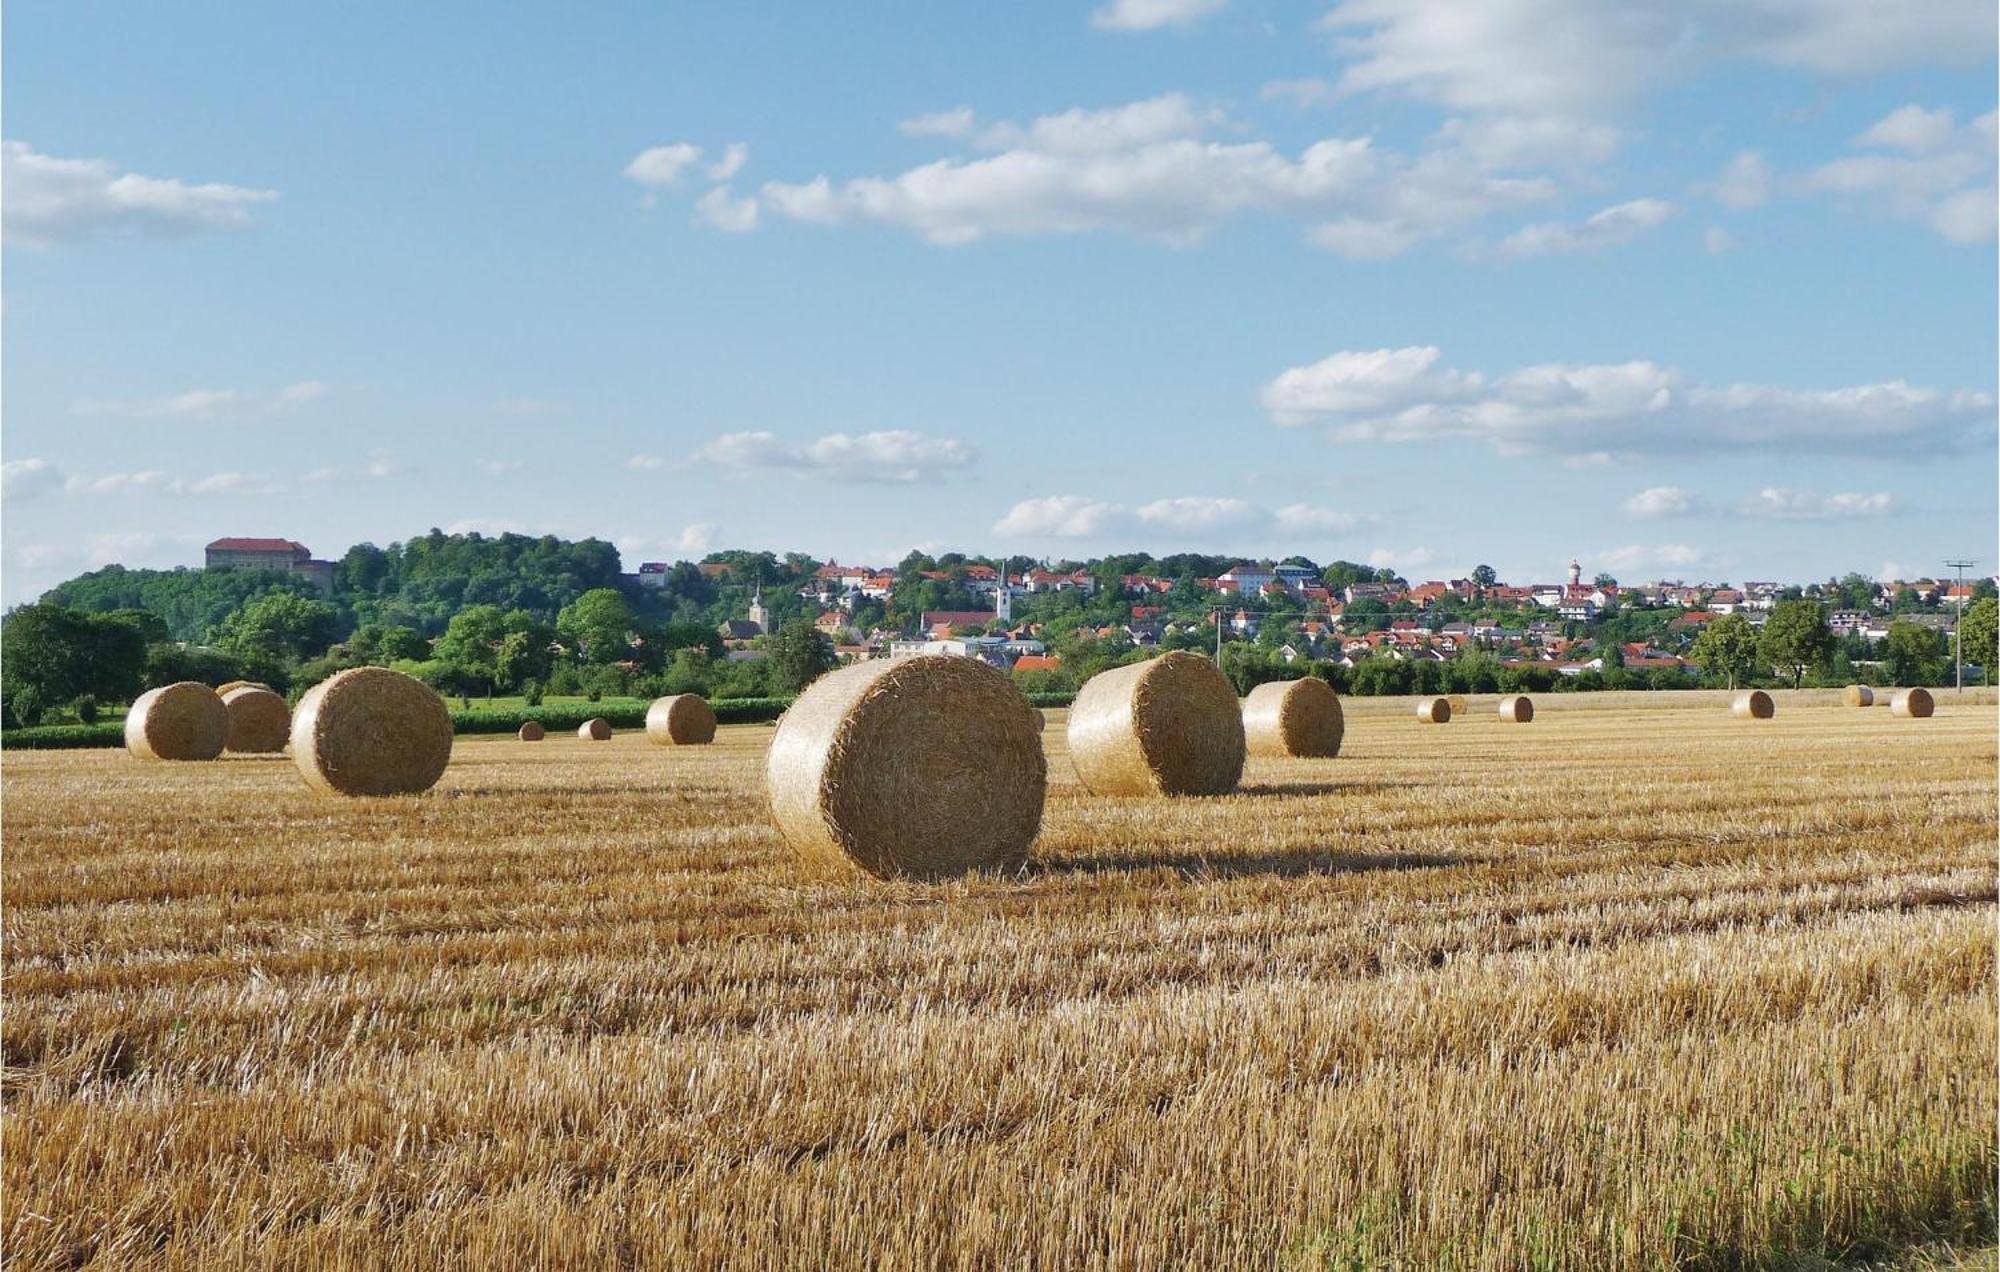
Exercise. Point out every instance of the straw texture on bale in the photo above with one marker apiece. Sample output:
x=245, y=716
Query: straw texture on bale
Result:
x=1754, y=704
x=1293, y=717
x=1517, y=708
x=1167, y=726
x=1858, y=696
x=595, y=729
x=922, y=768
x=227, y=685
x=183, y=721
x=681, y=719
x=1459, y=706
x=1915, y=703
x=371, y=731
x=531, y=731
x=259, y=720
x=1434, y=710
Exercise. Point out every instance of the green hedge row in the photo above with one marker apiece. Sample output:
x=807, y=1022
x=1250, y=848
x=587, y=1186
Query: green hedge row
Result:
x=66, y=737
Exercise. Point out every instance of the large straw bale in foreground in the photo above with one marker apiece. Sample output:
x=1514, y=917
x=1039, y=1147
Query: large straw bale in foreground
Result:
x=1167, y=726
x=1517, y=708
x=1434, y=710
x=1858, y=696
x=922, y=767
x=371, y=731
x=182, y=721
x=595, y=729
x=259, y=720
x=531, y=731
x=681, y=719
x=1293, y=717
x=1915, y=703
x=1753, y=704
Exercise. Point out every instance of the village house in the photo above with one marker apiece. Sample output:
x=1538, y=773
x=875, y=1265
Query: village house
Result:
x=283, y=555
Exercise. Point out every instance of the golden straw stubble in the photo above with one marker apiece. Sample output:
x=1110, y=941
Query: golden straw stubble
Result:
x=371, y=731
x=681, y=719
x=259, y=720
x=922, y=768
x=1293, y=718
x=181, y=721
x=1167, y=726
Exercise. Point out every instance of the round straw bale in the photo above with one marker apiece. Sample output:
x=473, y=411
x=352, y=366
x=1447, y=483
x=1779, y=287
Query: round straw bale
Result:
x=530, y=731
x=227, y=685
x=1754, y=704
x=1517, y=708
x=595, y=729
x=1914, y=703
x=922, y=767
x=1434, y=710
x=1459, y=706
x=1167, y=726
x=182, y=721
x=1858, y=696
x=1293, y=717
x=259, y=720
x=681, y=719
x=371, y=731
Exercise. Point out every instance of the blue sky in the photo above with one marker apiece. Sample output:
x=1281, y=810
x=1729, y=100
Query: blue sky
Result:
x=1703, y=291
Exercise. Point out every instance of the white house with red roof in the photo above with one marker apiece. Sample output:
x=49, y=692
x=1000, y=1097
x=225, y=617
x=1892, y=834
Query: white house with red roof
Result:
x=283, y=555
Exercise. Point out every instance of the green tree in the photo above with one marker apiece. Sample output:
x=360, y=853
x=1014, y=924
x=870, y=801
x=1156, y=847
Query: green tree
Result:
x=1979, y=635
x=598, y=625
x=1914, y=653
x=279, y=626
x=1727, y=648
x=1484, y=576
x=56, y=655
x=1796, y=637
x=471, y=644
x=798, y=655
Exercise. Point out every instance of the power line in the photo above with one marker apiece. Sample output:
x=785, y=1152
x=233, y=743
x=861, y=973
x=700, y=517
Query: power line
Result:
x=1958, y=627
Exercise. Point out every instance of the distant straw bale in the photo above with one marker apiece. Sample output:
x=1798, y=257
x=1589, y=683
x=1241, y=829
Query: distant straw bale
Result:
x=1434, y=710
x=923, y=768
x=1858, y=696
x=531, y=731
x=1754, y=704
x=1167, y=726
x=259, y=720
x=181, y=721
x=1914, y=703
x=371, y=731
x=681, y=719
x=595, y=729
x=1295, y=718
x=1459, y=706
x=1517, y=708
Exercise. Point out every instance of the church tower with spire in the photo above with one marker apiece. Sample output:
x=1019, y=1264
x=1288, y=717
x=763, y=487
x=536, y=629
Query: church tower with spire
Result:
x=758, y=614
x=1575, y=573
x=1003, y=597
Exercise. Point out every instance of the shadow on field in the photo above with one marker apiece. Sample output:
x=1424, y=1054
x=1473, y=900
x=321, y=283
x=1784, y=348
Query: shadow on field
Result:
x=1197, y=865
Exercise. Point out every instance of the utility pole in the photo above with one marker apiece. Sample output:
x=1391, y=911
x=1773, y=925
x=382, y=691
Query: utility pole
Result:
x=1958, y=624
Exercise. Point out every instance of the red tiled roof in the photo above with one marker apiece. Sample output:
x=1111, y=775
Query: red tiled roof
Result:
x=258, y=545
x=1038, y=662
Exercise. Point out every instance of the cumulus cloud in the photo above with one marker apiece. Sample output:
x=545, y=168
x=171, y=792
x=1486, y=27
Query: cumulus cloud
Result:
x=24, y=479
x=661, y=166
x=1745, y=182
x=1617, y=409
x=196, y=404
x=1151, y=15
x=1203, y=517
x=1664, y=501
x=956, y=123
x=733, y=158
x=52, y=200
x=1921, y=166
x=1620, y=223
x=726, y=212
x=1781, y=503
x=896, y=456
x=152, y=481
x=1396, y=558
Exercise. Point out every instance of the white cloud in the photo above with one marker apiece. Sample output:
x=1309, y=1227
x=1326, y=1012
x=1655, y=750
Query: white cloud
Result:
x=25, y=479
x=645, y=463
x=733, y=158
x=152, y=481
x=1620, y=409
x=726, y=212
x=1532, y=141
x=377, y=466
x=51, y=200
x=1921, y=167
x=1155, y=169
x=1151, y=15
x=1780, y=503
x=1301, y=93
x=1206, y=518
x=1620, y=223
x=206, y=403
x=1664, y=501
x=697, y=538
x=661, y=166
x=1396, y=558
x=1718, y=240
x=896, y=456
x=958, y=122
x=1745, y=182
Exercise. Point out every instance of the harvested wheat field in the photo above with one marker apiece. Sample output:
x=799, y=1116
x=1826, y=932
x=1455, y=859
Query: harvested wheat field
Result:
x=1638, y=986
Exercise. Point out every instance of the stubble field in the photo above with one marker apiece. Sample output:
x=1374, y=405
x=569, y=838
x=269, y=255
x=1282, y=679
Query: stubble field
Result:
x=1638, y=984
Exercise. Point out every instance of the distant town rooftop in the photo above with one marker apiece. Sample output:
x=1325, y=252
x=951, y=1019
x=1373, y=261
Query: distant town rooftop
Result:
x=256, y=545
